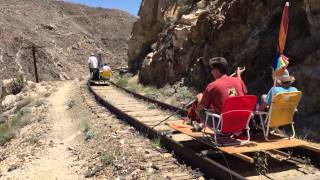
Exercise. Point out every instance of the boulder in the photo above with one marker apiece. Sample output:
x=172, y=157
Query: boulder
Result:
x=9, y=101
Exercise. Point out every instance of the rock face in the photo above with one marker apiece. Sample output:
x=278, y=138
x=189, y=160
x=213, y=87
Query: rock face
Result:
x=175, y=39
x=68, y=34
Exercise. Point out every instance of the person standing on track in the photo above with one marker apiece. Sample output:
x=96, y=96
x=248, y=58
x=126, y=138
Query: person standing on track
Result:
x=100, y=59
x=93, y=67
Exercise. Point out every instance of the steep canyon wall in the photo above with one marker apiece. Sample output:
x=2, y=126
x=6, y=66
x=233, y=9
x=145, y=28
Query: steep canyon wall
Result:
x=174, y=39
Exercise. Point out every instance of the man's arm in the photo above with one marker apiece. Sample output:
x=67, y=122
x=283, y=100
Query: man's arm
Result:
x=199, y=105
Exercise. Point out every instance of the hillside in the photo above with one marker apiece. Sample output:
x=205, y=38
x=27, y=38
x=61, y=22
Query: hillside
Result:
x=67, y=32
x=175, y=39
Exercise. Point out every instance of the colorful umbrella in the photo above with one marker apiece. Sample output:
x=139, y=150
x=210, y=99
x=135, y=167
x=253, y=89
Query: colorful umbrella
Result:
x=281, y=62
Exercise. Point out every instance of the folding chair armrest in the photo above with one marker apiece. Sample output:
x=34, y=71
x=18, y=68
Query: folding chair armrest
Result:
x=261, y=113
x=213, y=114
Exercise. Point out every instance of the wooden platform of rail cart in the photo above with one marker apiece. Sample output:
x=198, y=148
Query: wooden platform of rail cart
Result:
x=257, y=142
x=99, y=82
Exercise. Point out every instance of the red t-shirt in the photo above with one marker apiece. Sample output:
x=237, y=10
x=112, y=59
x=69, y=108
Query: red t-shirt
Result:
x=221, y=89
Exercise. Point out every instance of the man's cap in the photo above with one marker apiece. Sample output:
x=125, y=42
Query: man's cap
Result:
x=92, y=54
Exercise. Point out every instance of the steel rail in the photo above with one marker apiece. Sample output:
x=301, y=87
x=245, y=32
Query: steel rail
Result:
x=208, y=166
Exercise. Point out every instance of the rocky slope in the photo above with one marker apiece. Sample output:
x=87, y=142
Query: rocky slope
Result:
x=174, y=40
x=67, y=32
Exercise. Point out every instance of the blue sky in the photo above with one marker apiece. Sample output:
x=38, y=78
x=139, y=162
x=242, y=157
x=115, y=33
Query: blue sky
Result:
x=131, y=6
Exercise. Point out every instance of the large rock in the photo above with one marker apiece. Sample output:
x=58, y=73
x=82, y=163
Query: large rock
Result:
x=245, y=33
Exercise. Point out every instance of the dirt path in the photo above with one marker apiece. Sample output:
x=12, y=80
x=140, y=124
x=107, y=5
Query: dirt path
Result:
x=84, y=141
x=56, y=162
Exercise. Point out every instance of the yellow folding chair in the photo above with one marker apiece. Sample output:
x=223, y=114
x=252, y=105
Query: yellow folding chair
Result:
x=282, y=109
x=105, y=75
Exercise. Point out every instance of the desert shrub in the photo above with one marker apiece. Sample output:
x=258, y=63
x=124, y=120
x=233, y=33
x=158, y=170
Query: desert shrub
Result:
x=152, y=95
x=17, y=85
x=183, y=94
x=167, y=91
x=88, y=132
x=6, y=134
x=71, y=103
x=19, y=120
x=156, y=143
x=107, y=157
x=152, y=106
x=122, y=82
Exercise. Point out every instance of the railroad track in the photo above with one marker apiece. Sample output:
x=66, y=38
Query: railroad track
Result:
x=144, y=114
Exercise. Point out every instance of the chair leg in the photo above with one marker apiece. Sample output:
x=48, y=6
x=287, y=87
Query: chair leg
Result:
x=263, y=128
x=213, y=128
x=248, y=136
x=293, y=131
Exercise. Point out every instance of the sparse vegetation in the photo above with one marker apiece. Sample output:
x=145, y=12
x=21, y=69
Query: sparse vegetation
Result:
x=8, y=129
x=167, y=91
x=183, y=94
x=261, y=162
x=6, y=133
x=71, y=103
x=107, y=157
x=156, y=143
x=17, y=84
x=152, y=106
x=23, y=103
x=33, y=139
x=19, y=120
x=88, y=132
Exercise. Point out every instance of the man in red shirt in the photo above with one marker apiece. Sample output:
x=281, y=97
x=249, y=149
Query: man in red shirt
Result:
x=219, y=90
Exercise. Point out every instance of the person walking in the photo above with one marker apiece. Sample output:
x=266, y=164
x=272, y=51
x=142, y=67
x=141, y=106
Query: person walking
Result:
x=93, y=67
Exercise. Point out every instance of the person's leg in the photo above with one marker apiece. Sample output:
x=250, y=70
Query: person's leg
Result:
x=263, y=104
x=91, y=73
x=95, y=74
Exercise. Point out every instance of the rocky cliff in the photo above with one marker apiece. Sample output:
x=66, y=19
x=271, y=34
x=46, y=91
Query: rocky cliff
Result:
x=68, y=34
x=174, y=39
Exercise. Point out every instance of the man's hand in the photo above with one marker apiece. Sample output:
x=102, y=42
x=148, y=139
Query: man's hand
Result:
x=239, y=71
